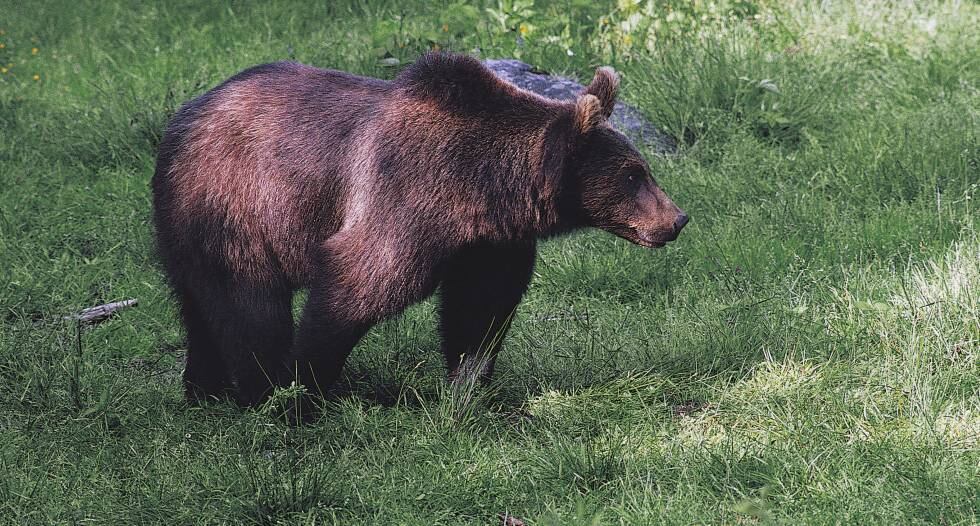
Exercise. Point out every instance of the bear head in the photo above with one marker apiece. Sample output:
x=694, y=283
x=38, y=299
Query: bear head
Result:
x=607, y=182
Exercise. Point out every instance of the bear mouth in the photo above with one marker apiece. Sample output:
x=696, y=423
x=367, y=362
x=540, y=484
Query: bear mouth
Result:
x=651, y=244
x=647, y=240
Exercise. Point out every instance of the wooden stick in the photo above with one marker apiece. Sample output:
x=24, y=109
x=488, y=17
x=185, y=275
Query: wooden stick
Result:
x=101, y=312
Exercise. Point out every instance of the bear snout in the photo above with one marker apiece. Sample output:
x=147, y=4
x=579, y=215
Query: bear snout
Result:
x=679, y=223
x=660, y=235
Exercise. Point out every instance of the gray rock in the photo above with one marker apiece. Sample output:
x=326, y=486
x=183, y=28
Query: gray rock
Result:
x=625, y=118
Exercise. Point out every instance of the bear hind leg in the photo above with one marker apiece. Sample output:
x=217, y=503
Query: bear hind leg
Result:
x=238, y=335
x=257, y=336
x=205, y=374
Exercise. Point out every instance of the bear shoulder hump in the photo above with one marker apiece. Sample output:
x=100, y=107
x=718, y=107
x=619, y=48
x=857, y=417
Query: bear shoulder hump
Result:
x=451, y=78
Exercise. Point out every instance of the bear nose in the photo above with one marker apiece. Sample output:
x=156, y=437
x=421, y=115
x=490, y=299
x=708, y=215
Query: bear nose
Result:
x=681, y=220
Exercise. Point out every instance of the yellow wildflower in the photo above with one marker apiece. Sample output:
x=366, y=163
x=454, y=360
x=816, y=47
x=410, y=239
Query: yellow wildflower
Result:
x=2, y=45
x=36, y=77
x=523, y=29
x=34, y=51
x=3, y=70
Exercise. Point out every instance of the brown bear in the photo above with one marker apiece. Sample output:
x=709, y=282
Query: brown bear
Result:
x=372, y=194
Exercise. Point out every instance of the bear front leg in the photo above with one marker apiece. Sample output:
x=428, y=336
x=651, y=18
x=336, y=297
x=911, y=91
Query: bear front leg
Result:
x=480, y=291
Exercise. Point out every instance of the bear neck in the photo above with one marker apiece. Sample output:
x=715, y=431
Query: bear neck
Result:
x=524, y=202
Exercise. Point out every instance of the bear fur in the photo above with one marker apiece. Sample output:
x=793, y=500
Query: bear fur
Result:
x=372, y=194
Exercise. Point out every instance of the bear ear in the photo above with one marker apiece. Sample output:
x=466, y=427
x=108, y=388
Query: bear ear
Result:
x=604, y=86
x=588, y=113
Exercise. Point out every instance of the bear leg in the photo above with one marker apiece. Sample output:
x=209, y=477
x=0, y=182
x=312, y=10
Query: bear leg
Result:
x=481, y=289
x=248, y=331
x=205, y=375
x=358, y=284
x=324, y=341
x=257, y=336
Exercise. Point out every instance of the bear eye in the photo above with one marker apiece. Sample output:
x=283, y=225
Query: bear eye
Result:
x=633, y=176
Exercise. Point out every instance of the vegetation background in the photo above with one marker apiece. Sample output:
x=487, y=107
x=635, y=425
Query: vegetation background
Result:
x=807, y=352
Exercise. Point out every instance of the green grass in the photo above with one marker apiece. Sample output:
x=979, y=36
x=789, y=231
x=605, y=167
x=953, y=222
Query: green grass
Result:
x=807, y=352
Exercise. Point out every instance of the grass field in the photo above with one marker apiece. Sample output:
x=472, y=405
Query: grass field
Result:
x=807, y=352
